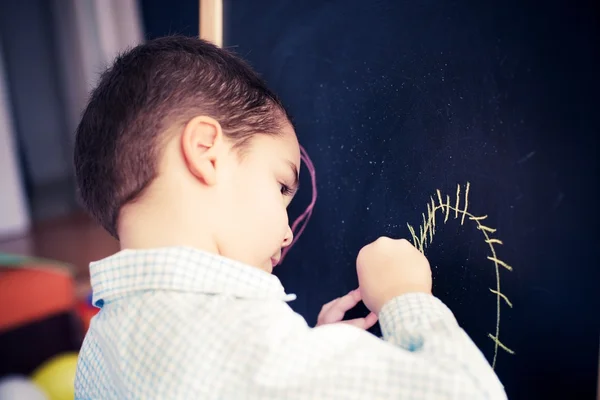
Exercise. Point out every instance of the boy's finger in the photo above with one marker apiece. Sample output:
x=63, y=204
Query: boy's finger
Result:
x=358, y=322
x=329, y=313
x=370, y=320
x=345, y=302
x=335, y=310
x=348, y=301
x=327, y=306
x=333, y=315
x=362, y=323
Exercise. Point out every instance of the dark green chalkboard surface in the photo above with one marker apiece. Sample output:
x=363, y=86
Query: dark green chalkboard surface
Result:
x=476, y=123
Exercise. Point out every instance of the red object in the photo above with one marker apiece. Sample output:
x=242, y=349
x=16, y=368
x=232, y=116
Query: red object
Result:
x=86, y=312
x=32, y=293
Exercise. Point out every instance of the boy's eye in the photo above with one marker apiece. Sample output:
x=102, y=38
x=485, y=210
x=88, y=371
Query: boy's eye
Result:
x=285, y=189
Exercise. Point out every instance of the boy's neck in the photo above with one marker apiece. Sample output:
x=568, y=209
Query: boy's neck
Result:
x=144, y=227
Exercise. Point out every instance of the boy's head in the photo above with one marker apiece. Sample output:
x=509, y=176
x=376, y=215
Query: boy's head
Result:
x=183, y=144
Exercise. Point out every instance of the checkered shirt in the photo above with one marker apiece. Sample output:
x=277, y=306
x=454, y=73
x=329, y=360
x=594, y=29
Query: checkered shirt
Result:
x=179, y=323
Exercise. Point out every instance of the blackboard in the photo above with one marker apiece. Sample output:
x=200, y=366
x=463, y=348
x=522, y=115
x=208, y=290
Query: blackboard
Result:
x=403, y=107
x=164, y=17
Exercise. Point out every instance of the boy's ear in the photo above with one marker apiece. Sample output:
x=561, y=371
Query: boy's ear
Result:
x=202, y=144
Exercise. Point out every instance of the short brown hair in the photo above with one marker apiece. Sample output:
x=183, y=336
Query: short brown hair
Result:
x=157, y=85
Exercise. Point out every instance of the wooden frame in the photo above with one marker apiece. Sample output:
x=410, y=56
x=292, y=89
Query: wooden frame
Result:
x=211, y=21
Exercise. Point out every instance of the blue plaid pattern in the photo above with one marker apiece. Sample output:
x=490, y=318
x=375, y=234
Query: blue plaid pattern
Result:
x=179, y=323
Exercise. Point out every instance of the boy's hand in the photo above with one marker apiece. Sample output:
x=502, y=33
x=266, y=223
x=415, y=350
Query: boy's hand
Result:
x=335, y=310
x=388, y=268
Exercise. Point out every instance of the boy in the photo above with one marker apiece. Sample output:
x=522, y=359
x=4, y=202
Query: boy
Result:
x=187, y=158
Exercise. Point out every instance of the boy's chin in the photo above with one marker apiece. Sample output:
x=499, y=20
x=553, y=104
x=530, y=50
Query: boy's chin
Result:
x=268, y=267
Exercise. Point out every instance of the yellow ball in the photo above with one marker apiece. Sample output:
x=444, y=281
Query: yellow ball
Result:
x=56, y=377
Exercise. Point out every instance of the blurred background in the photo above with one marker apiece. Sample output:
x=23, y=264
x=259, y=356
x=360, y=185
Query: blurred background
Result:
x=51, y=55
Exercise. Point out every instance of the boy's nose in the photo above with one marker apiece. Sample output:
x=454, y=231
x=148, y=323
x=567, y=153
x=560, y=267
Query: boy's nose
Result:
x=289, y=236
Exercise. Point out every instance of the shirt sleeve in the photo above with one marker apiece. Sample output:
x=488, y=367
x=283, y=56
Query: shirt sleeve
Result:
x=424, y=354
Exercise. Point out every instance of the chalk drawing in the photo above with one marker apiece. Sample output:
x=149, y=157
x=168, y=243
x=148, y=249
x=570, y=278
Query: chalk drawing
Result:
x=425, y=238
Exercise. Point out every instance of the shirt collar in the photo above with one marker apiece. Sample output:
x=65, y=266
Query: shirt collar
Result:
x=180, y=269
